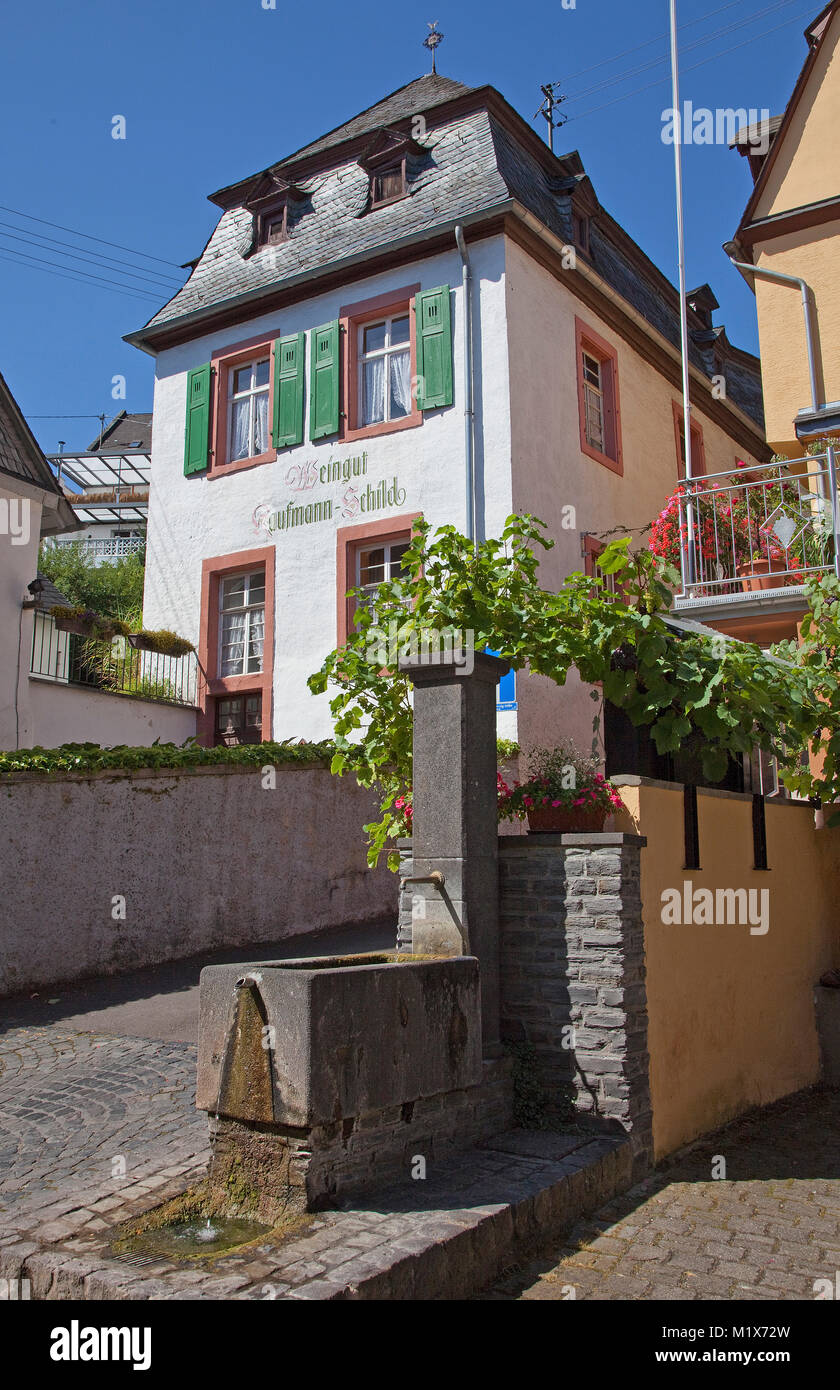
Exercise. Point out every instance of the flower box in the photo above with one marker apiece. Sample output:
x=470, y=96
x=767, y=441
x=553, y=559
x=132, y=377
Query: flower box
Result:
x=566, y=820
x=79, y=626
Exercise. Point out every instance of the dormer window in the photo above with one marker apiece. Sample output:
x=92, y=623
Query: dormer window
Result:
x=387, y=185
x=271, y=204
x=580, y=230
x=275, y=226
x=385, y=162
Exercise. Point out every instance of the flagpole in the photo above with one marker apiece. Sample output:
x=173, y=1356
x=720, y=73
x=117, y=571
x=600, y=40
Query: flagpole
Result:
x=686, y=549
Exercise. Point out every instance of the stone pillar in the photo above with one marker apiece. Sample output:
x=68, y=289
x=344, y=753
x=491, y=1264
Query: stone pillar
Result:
x=573, y=975
x=455, y=823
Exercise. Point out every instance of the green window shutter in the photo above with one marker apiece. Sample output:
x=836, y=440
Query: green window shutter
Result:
x=324, y=381
x=434, y=348
x=198, y=420
x=288, y=390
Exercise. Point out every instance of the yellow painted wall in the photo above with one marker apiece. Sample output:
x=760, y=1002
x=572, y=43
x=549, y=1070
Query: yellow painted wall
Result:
x=806, y=169
x=814, y=255
x=731, y=1015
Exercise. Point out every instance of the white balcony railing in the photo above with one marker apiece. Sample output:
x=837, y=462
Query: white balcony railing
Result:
x=104, y=548
x=753, y=529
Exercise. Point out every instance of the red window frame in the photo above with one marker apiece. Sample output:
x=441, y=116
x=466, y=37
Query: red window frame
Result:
x=348, y=541
x=352, y=318
x=698, y=448
x=587, y=340
x=223, y=361
x=213, y=571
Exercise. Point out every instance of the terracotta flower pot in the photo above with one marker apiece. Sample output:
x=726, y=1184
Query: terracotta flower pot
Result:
x=566, y=820
x=758, y=574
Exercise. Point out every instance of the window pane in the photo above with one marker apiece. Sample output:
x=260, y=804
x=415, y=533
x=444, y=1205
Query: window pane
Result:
x=261, y=375
x=255, y=642
x=399, y=330
x=242, y=379
x=233, y=591
x=240, y=429
x=399, y=381
x=371, y=566
x=374, y=337
x=373, y=391
x=232, y=644
x=256, y=587
x=397, y=552
x=260, y=440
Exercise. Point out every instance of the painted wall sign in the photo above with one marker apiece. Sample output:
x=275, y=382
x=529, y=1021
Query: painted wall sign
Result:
x=356, y=499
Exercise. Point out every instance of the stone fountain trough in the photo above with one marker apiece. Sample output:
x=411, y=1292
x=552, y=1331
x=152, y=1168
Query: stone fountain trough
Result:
x=325, y=1075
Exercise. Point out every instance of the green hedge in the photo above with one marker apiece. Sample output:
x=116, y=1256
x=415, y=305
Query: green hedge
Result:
x=90, y=757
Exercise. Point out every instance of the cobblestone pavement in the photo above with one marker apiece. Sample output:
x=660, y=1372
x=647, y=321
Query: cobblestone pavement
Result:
x=767, y=1231
x=88, y=1121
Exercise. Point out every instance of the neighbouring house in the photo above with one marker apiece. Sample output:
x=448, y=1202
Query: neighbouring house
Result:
x=54, y=688
x=760, y=534
x=791, y=224
x=108, y=488
x=425, y=295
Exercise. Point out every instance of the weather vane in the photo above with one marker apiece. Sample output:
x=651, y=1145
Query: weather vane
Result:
x=432, y=39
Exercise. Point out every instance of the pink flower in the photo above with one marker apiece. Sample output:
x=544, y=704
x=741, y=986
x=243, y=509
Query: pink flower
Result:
x=556, y=803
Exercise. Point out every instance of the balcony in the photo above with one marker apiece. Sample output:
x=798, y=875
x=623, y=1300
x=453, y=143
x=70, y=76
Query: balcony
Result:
x=104, y=548
x=746, y=540
x=112, y=667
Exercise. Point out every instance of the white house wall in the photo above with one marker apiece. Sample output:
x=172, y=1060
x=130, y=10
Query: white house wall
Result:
x=192, y=518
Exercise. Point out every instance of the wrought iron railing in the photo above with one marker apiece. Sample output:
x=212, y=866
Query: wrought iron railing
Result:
x=112, y=667
x=762, y=528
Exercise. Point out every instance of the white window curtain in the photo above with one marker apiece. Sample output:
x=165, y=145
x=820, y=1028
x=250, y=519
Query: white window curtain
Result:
x=400, y=384
x=233, y=643
x=256, y=637
x=261, y=423
x=374, y=402
x=241, y=429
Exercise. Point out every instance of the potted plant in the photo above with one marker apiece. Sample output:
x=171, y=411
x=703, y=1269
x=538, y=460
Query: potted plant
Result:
x=162, y=641
x=565, y=792
x=757, y=572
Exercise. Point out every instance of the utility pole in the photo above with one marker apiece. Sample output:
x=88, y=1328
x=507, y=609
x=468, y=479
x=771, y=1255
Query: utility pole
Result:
x=553, y=99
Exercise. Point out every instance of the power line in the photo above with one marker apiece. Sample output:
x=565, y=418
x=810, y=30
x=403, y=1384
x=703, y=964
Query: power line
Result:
x=41, y=244
x=94, y=415
x=80, y=276
x=713, y=58
x=115, y=244
x=647, y=43
x=688, y=48
x=96, y=257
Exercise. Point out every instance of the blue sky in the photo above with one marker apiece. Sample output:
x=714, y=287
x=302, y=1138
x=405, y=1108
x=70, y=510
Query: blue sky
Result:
x=214, y=91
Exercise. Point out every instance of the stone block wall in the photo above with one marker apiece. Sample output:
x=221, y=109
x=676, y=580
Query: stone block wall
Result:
x=271, y=1171
x=573, y=974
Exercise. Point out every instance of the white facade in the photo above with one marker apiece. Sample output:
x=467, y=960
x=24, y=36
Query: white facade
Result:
x=422, y=470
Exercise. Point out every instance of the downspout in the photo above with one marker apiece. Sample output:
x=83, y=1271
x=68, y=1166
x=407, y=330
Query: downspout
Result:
x=469, y=413
x=731, y=249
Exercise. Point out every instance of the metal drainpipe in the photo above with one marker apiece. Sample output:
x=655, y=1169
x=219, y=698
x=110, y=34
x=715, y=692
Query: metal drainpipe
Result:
x=466, y=282
x=805, y=291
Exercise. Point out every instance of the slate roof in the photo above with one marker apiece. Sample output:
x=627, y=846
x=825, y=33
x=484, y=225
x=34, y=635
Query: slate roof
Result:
x=20, y=457
x=50, y=597
x=123, y=432
x=478, y=159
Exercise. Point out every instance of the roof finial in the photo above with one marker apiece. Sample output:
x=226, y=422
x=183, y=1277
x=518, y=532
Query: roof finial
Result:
x=432, y=39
